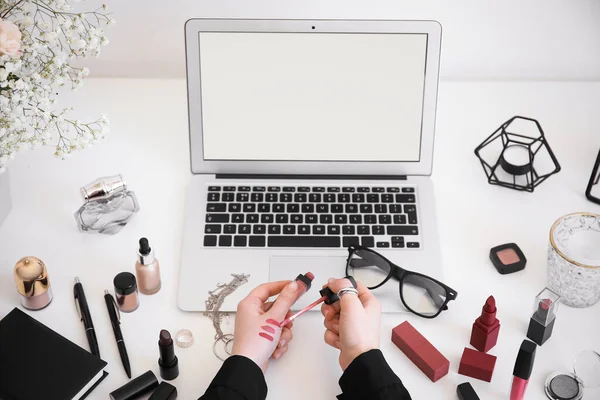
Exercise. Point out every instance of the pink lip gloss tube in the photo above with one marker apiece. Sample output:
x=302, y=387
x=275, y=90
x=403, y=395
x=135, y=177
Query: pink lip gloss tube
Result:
x=522, y=370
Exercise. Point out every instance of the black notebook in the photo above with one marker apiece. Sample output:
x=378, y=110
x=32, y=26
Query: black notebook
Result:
x=37, y=363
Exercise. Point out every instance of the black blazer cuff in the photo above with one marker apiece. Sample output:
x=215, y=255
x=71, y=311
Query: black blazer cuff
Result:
x=368, y=374
x=243, y=376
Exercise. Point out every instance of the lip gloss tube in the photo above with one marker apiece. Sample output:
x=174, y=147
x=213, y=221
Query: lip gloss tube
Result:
x=522, y=370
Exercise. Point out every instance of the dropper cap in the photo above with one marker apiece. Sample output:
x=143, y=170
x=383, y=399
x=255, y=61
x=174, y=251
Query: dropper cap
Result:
x=145, y=252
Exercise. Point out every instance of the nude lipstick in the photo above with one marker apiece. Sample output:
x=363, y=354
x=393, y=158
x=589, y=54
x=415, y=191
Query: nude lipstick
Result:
x=168, y=362
x=522, y=370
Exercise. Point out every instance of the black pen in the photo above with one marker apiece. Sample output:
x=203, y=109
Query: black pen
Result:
x=84, y=313
x=115, y=320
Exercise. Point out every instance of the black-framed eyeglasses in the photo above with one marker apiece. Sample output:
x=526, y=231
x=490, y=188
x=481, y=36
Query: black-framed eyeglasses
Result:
x=593, y=189
x=420, y=294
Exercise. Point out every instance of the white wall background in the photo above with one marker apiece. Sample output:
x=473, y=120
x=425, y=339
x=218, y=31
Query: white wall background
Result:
x=509, y=39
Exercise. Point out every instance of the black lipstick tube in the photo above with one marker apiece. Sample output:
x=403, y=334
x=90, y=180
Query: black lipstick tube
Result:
x=168, y=362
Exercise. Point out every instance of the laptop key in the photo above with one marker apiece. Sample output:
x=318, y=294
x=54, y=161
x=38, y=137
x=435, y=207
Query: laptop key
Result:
x=412, y=219
x=308, y=208
x=297, y=218
x=368, y=241
x=214, y=188
x=235, y=207
x=370, y=219
x=373, y=198
x=257, y=241
x=385, y=219
x=249, y=207
x=264, y=207
x=378, y=189
x=289, y=189
x=257, y=197
x=289, y=229
x=240, y=241
x=364, y=230
x=381, y=208
x=395, y=209
x=228, y=197
x=329, y=198
x=259, y=229
x=216, y=207
x=348, y=190
x=237, y=218
x=314, y=198
x=293, y=208
x=326, y=218
x=267, y=218
x=273, y=189
x=405, y=198
x=242, y=197
x=252, y=218
x=383, y=244
x=358, y=198
x=400, y=219
x=398, y=245
x=304, y=229
x=271, y=197
x=274, y=229
x=402, y=230
x=281, y=218
x=378, y=230
x=387, y=198
x=350, y=240
x=300, y=198
x=356, y=219
x=408, y=190
x=363, y=190
x=311, y=218
x=229, y=228
x=246, y=229
x=318, y=189
x=366, y=208
x=333, y=189
x=348, y=230
x=318, y=229
x=259, y=189
x=214, y=196
x=210, y=241
x=225, y=241
x=322, y=208
x=212, y=228
x=217, y=217
x=393, y=190
x=243, y=188
x=333, y=230
x=344, y=198
x=411, y=212
x=413, y=245
x=285, y=197
x=351, y=208
x=304, y=189
x=229, y=189
x=278, y=208
x=337, y=208
x=341, y=219
x=304, y=241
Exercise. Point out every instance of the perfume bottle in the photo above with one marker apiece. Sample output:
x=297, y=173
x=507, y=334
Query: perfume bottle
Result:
x=108, y=206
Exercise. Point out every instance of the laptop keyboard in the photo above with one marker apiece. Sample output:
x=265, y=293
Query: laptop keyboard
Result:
x=311, y=216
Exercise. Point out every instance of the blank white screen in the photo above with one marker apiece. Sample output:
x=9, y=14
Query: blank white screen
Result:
x=312, y=97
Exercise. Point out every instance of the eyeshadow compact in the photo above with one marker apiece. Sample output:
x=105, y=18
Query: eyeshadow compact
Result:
x=586, y=374
x=508, y=258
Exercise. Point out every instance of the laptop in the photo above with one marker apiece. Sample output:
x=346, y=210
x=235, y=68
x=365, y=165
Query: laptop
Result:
x=307, y=136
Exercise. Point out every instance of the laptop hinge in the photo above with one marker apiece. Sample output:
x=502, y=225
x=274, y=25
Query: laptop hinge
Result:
x=315, y=177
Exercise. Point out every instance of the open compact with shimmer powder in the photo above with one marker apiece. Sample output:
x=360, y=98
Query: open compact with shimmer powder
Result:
x=508, y=258
x=586, y=374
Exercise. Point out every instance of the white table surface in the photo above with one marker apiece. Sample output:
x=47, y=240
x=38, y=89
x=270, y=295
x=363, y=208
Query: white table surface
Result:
x=149, y=145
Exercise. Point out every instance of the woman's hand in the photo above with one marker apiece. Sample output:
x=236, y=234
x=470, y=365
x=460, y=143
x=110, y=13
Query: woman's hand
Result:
x=353, y=322
x=257, y=334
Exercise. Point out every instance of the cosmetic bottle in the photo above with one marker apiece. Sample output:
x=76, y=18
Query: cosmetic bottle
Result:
x=147, y=269
x=33, y=285
x=522, y=370
x=486, y=328
x=108, y=206
x=126, y=292
x=542, y=321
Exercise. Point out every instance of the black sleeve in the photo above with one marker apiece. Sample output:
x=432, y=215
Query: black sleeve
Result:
x=369, y=377
x=238, y=379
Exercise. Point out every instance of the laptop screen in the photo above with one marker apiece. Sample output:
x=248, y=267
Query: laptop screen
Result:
x=312, y=96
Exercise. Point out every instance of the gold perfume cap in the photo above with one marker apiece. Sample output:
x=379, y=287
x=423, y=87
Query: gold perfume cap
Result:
x=31, y=278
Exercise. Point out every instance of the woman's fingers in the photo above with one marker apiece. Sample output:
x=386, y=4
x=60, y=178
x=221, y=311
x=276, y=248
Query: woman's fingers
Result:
x=332, y=339
x=286, y=337
x=333, y=325
x=330, y=311
x=280, y=352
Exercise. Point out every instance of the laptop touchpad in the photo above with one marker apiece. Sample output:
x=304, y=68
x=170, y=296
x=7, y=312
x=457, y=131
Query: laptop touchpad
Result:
x=286, y=268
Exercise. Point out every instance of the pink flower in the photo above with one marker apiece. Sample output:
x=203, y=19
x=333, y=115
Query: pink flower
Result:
x=10, y=39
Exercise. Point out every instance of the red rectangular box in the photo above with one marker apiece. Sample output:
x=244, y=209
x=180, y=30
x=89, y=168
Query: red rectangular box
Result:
x=420, y=351
x=477, y=365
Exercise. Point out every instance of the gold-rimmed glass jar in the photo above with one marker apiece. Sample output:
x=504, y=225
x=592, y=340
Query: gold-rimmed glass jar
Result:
x=574, y=259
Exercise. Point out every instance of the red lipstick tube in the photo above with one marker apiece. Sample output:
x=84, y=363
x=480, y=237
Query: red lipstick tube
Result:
x=522, y=370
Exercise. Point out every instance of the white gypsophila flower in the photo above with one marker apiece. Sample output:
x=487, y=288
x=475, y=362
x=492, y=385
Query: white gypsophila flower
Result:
x=50, y=37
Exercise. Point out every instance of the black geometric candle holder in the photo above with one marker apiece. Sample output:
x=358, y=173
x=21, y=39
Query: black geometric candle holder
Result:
x=517, y=155
x=593, y=189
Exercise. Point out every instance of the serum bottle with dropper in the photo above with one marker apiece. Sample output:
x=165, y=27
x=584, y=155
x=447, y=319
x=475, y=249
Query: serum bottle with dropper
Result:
x=147, y=269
